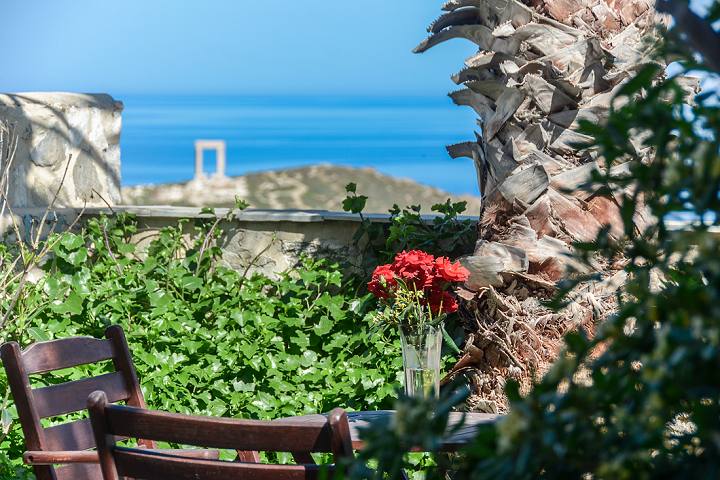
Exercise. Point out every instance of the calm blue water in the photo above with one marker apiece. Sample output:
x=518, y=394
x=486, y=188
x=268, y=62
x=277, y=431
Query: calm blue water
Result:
x=398, y=136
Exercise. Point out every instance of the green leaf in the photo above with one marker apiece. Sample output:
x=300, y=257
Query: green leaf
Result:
x=190, y=282
x=81, y=282
x=74, y=303
x=240, y=386
x=126, y=248
x=77, y=257
x=241, y=204
x=309, y=277
x=71, y=241
x=52, y=286
x=354, y=204
x=323, y=327
x=308, y=358
x=159, y=298
x=38, y=334
x=449, y=340
x=6, y=420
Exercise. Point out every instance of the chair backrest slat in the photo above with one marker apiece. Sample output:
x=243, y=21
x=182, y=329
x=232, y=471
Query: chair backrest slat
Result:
x=65, y=353
x=69, y=436
x=109, y=421
x=78, y=471
x=19, y=383
x=137, y=464
x=124, y=364
x=35, y=404
x=72, y=396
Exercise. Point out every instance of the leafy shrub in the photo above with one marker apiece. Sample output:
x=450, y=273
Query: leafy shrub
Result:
x=419, y=423
x=205, y=338
x=447, y=235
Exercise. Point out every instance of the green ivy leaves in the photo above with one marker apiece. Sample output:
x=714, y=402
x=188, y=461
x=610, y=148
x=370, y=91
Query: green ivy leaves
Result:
x=203, y=339
x=406, y=229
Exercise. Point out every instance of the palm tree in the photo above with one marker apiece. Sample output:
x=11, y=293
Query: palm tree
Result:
x=542, y=67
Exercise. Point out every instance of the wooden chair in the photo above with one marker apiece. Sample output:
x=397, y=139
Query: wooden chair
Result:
x=69, y=443
x=110, y=420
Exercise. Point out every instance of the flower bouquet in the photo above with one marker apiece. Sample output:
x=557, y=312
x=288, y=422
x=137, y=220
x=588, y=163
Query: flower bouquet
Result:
x=415, y=292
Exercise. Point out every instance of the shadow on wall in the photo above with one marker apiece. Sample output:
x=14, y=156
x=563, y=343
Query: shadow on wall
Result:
x=66, y=141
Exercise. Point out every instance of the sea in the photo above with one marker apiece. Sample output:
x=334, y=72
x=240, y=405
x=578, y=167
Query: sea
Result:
x=399, y=136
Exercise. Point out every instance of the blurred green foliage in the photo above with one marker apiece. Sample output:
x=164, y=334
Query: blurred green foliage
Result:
x=641, y=399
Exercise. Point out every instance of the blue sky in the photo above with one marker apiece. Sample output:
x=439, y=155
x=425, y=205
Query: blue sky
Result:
x=224, y=46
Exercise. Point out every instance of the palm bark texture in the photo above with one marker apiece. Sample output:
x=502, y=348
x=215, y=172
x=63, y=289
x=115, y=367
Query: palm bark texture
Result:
x=542, y=67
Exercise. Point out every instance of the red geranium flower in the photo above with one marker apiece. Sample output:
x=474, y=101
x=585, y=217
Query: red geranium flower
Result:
x=413, y=257
x=386, y=272
x=451, y=272
x=382, y=281
x=442, y=301
x=415, y=268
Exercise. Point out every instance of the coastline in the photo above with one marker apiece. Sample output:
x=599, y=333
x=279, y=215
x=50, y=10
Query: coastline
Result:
x=319, y=186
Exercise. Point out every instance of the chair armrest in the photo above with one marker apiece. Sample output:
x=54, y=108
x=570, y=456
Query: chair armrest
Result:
x=34, y=457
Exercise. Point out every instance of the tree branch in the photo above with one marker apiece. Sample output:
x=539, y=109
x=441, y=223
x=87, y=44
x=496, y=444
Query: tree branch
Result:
x=699, y=33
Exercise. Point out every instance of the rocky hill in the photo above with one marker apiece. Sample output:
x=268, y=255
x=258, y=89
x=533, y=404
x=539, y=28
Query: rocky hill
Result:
x=319, y=187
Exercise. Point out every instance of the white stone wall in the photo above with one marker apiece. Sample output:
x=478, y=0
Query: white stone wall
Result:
x=263, y=241
x=80, y=132
x=269, y=241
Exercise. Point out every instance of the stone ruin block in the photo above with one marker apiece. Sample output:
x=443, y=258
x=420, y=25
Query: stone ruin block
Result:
x=59, y=131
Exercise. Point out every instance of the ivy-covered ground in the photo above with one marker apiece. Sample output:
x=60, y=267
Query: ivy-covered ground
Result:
x=204, y=339
x=207, y=339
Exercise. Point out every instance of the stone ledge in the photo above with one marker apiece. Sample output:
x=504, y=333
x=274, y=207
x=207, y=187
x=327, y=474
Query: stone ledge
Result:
x=265, y=241
x=252, y=215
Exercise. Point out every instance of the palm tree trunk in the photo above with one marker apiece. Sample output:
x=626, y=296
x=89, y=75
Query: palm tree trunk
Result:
x=542, y=67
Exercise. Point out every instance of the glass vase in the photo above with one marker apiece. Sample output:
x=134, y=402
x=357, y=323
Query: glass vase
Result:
x=421, y=359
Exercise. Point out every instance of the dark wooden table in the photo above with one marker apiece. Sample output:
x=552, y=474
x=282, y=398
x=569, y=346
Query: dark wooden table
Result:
x=451, y=443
